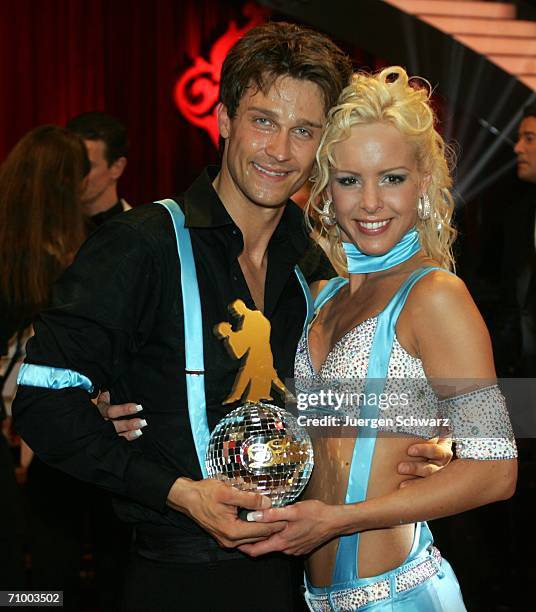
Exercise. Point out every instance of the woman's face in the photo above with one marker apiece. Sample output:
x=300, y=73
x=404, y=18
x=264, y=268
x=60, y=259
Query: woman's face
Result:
x=375, y=186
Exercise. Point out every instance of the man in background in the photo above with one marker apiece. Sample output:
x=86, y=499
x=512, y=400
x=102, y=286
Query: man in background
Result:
x=525, y=147
x=515, y=335
x=514, y=343
x=106, y=142
x=107, y=146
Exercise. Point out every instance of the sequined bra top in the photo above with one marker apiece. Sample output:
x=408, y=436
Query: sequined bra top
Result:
x=478, y=421
x=345, y=369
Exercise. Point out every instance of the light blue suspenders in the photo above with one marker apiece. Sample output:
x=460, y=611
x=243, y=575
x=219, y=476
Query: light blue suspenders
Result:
x=59, y=378
x=346, y=564
x=193, y=335
x=193, y=331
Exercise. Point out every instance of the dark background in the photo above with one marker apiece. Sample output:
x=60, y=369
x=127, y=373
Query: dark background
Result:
x=59, y=58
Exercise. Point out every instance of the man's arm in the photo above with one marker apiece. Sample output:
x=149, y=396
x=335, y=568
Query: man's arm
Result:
x=99, y=310
x=102, y=309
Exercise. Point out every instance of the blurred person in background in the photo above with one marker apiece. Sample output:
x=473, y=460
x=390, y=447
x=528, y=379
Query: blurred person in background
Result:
x=515, y=339
x=41, y=228
x=106, y=141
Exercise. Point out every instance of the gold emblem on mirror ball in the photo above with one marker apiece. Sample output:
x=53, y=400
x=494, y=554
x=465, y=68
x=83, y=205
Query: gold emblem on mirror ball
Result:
x=277, y=451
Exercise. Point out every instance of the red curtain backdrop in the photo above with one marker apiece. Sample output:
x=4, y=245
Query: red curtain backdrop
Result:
x=59, y=58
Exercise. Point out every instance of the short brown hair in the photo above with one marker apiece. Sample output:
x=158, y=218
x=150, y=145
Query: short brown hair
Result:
x=101, y=126
x=529, y=111
x=283, y=49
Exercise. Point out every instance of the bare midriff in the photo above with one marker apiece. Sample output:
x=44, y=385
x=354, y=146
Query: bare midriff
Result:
x=380, y=550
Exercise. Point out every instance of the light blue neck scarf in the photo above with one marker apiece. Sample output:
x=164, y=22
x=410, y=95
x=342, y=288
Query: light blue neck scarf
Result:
x=360, y=263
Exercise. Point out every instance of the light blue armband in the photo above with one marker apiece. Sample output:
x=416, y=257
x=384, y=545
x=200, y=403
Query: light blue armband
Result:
x=33, y=375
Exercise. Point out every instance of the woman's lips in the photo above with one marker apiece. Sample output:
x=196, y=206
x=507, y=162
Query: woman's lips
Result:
x=373, y=228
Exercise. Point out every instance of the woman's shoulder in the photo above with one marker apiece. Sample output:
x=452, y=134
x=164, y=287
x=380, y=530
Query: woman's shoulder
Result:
x=441, y=300
x=439, y=288
x=445, y=329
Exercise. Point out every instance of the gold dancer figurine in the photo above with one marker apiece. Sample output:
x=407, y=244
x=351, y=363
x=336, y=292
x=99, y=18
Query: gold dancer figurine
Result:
x=252, y=340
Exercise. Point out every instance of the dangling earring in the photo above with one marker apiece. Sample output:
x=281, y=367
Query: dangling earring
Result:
x=327, y=216
x=424, y=208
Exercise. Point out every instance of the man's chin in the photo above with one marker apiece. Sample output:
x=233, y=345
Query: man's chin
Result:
x=267, y=201
x=271, y=205
x=523, y=174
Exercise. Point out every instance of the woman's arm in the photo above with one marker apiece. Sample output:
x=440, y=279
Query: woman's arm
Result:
x=450, y=337
x=462, y=485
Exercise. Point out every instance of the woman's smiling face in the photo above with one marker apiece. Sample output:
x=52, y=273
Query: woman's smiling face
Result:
x=375, y=185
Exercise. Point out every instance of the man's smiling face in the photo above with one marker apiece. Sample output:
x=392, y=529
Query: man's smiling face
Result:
x=270, y=143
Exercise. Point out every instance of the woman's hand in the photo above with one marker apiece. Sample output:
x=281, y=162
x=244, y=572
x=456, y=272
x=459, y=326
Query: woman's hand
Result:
x=309, y=524
x=130, y=429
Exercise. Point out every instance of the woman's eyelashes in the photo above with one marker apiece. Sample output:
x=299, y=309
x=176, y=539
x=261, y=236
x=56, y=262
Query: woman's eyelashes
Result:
x=347, y=181
x=393, y=179
x=386, y=179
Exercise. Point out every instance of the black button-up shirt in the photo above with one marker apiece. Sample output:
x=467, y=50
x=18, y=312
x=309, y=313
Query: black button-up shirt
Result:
x=116, y=317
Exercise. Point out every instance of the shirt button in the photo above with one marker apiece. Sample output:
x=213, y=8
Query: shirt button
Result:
x=235, y=278
x=235, y=232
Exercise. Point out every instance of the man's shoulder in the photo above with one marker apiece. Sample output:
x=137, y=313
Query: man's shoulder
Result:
x=146, y=229
x=145, y=215
x=151, y=222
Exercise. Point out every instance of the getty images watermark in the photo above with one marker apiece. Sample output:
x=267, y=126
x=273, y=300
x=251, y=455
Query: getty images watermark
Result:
x=414, y=406
x=332, y=408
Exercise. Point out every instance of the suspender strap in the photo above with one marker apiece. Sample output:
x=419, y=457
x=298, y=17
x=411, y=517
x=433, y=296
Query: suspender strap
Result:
x=193, y=332
x=329, y=290
x=193, y=335
x=346, y=564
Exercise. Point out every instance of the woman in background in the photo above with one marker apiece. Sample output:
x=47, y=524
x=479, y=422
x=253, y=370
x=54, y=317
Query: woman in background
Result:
x=41, y=228
x=41, y=222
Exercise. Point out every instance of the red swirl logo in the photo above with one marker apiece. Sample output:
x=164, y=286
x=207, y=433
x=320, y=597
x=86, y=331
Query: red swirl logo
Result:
x=196, y=92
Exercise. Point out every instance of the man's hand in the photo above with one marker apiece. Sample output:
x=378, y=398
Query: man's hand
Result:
x=214, y=506
x=432, y=456
x=309, y=524
x=126, y=428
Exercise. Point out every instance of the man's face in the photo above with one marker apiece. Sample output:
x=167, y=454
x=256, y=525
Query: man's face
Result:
x=101, y=176
x=525, y=149
x=271, y=142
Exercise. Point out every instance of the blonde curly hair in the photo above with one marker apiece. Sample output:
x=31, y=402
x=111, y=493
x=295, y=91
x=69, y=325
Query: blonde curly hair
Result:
x=389, y=97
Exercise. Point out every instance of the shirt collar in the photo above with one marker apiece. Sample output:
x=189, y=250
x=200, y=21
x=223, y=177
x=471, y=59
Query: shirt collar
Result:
x=105, y=215
x=202, y=205
x=204, y=209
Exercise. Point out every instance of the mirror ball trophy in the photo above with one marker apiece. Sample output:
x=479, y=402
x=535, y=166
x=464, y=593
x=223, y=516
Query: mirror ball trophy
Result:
x=258, y=447
x=261, y=448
